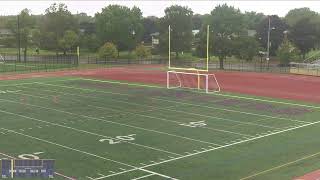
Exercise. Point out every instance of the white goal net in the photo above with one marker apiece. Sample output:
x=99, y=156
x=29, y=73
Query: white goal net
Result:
x=189, y=80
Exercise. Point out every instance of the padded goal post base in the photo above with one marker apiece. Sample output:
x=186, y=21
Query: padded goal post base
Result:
x=193, y=80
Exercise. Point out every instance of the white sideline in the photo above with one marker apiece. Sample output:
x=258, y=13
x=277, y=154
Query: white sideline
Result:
x=87, y=132
x=87, y=153
x=121, y=124
x=213, y=117
x=216, y=148
x=219, y=94
x=178, y=102
x=155, y=108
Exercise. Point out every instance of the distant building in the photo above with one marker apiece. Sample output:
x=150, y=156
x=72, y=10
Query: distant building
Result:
x=4, y=33
x=155, y=39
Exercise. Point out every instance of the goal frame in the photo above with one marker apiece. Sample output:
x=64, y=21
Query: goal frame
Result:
x=198, y=74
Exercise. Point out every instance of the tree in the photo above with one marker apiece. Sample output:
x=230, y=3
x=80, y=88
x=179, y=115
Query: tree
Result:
x=246, y=47
x=197, y=21
x=120, y=25
x=90, y=41
x=23, y=34
x=68, y=41
x=252, y=19
x=287, y=52
x=151, y=25
x=226, y=23
x=295, y=15
x=304, y=35
x=108, y=50
x=142, y=51
x=56, y=21
x=180, y=20
x=277, y=26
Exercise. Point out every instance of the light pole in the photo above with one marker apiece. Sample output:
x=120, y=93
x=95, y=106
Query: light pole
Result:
x=268, y=45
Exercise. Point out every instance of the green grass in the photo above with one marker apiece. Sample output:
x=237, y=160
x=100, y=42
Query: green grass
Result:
x=66, y=117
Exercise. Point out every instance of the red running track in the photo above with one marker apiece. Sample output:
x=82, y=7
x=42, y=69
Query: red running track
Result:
x=285, y=86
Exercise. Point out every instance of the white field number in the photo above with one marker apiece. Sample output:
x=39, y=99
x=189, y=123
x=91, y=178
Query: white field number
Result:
x=119, y=139
x=30, y=156
x=194, y=124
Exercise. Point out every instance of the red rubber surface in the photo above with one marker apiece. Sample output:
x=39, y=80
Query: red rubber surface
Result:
x=285, y=86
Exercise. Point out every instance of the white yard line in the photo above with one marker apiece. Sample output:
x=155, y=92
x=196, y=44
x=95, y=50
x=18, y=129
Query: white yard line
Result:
x=112, y=122
x=169, y=109
x=217, y=94
x=87, y=132
x=86, y=153
x=217, y=148
x=179, y=102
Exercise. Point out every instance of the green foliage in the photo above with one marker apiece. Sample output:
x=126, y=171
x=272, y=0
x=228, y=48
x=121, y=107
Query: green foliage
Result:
x=150, y=25
x=304, y=35
x=252, y=19
x=90, y=42
x=227, y=23
x=142, y=52
x=295, y=15
x=246, y=48
x=120, y=25
x=287, y=52
x=108, y=50
x=276, y=34
x=180, y=20
x=68, y=41
x=56, y=21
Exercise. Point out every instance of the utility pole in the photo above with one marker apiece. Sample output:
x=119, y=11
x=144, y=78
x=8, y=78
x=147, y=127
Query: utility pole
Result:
x=19, y=40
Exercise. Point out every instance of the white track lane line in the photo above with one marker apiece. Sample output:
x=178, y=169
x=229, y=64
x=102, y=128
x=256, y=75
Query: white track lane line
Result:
x=86, y=153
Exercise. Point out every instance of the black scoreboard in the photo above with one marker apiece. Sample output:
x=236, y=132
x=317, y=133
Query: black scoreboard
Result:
x=25, y=168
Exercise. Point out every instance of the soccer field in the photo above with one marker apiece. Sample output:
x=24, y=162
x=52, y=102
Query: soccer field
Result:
x=99, y=129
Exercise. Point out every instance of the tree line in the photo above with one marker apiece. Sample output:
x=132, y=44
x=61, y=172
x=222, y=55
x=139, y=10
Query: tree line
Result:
x=119, y=28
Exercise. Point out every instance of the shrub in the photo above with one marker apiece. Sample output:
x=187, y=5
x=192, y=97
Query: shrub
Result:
x=142, y=51
x=108, y=50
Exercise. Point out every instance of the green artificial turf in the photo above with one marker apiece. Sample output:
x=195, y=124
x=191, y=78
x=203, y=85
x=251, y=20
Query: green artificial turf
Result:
x=95, y=129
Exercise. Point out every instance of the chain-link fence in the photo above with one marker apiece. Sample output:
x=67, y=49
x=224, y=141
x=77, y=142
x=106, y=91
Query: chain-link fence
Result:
x=12, y=63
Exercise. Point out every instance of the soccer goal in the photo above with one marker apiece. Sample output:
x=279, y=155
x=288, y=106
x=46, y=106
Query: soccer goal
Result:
x=195, y=77
x=193, y=80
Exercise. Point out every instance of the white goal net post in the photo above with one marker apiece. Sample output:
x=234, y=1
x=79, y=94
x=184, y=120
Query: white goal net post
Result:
x=206, y=82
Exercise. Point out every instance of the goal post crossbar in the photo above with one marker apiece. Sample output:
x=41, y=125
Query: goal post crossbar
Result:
x=198, y=77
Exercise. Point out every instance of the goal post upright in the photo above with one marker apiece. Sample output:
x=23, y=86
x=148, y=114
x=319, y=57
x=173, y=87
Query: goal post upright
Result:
x=169, y=55
x=202, y=74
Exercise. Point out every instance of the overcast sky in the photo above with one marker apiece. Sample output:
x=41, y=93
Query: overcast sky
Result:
x=156, y=8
